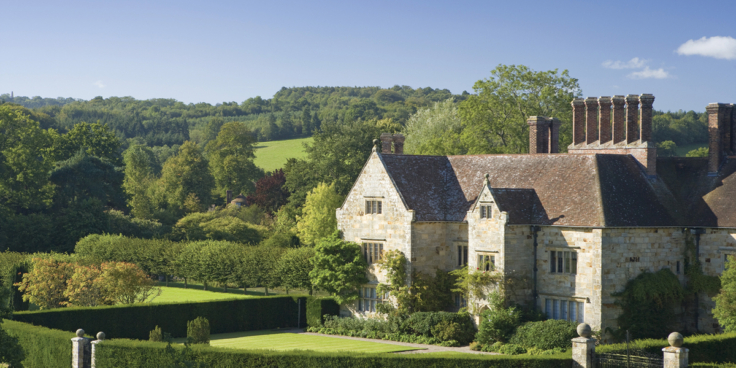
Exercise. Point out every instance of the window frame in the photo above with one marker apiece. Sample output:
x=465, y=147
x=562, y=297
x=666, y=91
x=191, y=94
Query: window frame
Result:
x=486, y=262
x=368, y=304
x=565, y=309
x=486, y=211
x=372, y=252
x=563, y=261
x=373, y=207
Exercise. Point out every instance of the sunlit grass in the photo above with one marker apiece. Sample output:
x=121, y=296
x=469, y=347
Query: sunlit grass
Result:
x=273, y=155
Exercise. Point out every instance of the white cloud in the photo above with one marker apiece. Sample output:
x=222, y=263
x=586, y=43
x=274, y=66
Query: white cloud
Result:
x=650, y=73
x=99, y=84
x=634, y=63
x=717, y=47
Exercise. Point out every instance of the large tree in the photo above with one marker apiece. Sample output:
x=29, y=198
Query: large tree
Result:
x=318, y=219
x=725, y=310
x=494, y=118
x=186, y=182
x=339, y=268
x=435, y=130
x=140, y=174
x=231, y=157
x=95, y=139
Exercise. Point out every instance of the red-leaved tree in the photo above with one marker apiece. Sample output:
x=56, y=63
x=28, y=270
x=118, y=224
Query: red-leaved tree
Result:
x=270, y=192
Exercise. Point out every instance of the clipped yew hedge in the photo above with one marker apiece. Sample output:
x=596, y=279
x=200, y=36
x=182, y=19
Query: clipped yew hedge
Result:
x=720, y=348
x=317, y=308
x=135, y=321
x=144, y=354
x=43, y=347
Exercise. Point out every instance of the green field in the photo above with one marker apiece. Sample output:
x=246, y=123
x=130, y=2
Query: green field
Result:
x=278, y=340
x=683, y=150
x=272, y=155
x=180, y=295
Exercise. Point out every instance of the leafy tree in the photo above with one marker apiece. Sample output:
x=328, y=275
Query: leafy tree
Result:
x=217, y=262
x=126, y=283
x=231, y=159
x=319, y=218
x=435, y=130
x=667, y=149
x=45, y=284
x=494, y=118
x=186, y=173
x=140, y=174
x=293, y=269
x=84, y=287
x=217, y=226
x=270, y=193
x=497, y=324
x=24, y=162
x=83, y=177
x=725, y=310
x=475, y=285
x=95, y=139
x=339, y=268
x=258, y=265
x=700, y=152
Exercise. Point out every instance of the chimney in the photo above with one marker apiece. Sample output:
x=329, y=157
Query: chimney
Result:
x=578, y=125
x=538, y=134
x=398, y=143
x=386, y=140
x=591, y=120
x=619, y=123
x=604, y=119
x=229, y=197
x=554, y=135
x=632, y=115
x=720, y=134
x=645, y=114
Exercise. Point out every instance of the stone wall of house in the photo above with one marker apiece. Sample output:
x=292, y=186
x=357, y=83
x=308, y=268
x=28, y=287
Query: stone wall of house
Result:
x=486, y=236
x=434, y=245
x=392, y=227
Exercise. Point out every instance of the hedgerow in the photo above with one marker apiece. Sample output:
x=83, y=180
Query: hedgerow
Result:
x=719, y=348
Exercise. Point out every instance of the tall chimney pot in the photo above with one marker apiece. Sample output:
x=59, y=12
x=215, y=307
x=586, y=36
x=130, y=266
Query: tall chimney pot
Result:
x=554, y=135
x=645, y=121
x=632, y=115
x=619, y=122
x=578, y=121
x=604, y=119
x=719, y=142
x=386, y=139
x=591, y=120
x=538, y=134
x=398, y=143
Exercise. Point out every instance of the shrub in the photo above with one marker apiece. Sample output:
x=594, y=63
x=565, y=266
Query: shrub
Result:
x=498, y=323
x=155, y=334
x=421, y=323
x=718, y=348
x=511, y=349
x=545, y=335
x=446, y=330
x=318, y=308
x=43, y=347
x=46, y=283
x=198, y=331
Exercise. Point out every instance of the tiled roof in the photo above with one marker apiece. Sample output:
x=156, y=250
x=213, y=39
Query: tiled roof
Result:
x=592, y=190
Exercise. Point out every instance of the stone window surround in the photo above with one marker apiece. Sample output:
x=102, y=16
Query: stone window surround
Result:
x=727, y=252
x=485, y=208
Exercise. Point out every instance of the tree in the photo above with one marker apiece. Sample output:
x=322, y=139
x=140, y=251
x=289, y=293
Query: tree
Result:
x=338, y=268
x=700, y=152
x=231, y=157
x=270, y=193
x=667, y=149
x=45, y=284
x=725, y=310
x=293, y=269
x=494, y=118
x=435, y=130
x=83, y=177
x=187, y=172
x=95, y=139
x=84, y=288
x=126, y=283
x=257, y=266
x=140, y=174
x=319, y=219
x=24, y=162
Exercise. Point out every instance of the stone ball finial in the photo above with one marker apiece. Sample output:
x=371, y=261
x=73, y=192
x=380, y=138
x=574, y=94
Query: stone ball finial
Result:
x=80, y=333
x=375, y=142
x=100, y=335
x=486, y=176
x=584, y=330
x=675, y=339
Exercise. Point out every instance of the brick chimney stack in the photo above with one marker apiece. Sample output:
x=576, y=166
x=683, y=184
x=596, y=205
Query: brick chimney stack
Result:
x=604, y=119
x=538, y=134
x=721, y=135
x=578, y=124
x=591, y=120
x=386, y=139
x=554, y=135
x=645, y=117
x=632, y=115
x=619, y=122
x=398, y=144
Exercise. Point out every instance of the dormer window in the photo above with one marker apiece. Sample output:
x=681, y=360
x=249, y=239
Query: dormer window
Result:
x=486, y=211
x=373, y=207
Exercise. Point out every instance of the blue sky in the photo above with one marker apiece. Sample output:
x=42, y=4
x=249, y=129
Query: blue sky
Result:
x=214, y=51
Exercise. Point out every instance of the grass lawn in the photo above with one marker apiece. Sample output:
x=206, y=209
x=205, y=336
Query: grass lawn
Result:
x=178, y=295
x=683, y=150
x=278, y=340
x=272, y=155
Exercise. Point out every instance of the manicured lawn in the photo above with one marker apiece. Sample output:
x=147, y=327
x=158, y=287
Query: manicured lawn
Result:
x=272, y=155
x=278, y=340
x=177, y=295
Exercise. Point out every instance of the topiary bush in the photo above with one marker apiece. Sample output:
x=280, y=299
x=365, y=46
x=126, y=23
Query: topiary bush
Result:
x=156, y=335
x=198, y=331
x=545, y=335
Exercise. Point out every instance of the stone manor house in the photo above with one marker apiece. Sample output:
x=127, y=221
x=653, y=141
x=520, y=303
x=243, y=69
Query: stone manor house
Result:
x=579, y=225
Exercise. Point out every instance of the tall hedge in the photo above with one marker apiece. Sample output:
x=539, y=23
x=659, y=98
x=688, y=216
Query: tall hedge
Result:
x=44, y=347
x=318, y=307
x=136, y=321
x=421, y=323
x=719, y=348
x=144, y=354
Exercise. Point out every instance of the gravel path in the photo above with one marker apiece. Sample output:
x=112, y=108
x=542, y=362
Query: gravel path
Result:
x=428, y=348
